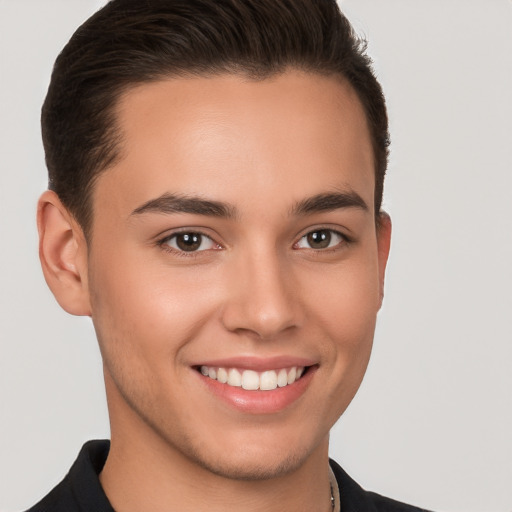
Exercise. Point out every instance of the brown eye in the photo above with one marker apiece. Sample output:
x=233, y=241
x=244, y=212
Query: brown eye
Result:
x=320, y=239
x=190, y=242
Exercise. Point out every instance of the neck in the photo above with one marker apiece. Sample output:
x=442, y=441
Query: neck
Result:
x=141, y=478
x=144, y=472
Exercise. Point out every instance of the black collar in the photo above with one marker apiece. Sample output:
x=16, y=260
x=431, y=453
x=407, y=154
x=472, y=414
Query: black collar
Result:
x=81, y=490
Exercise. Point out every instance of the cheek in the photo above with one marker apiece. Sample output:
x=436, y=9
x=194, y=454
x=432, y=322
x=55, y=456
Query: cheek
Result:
x=149, y=311
x=144, y=320
x=346, y=300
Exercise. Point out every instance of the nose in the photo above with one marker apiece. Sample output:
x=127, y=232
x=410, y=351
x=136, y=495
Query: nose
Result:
x=262, y=297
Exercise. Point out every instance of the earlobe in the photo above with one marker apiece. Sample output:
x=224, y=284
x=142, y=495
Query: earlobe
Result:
x=63, y=255
x=384, y=243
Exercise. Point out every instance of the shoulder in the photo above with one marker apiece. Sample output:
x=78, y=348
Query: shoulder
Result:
x=81, y=489
x=383, y=504
x=60, y=499
x=356, y=499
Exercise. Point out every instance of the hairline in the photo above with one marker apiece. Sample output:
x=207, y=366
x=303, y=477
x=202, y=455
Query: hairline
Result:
x=114, y=134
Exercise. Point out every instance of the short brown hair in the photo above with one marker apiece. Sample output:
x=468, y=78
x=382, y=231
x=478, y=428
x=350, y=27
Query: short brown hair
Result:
x=129, y=42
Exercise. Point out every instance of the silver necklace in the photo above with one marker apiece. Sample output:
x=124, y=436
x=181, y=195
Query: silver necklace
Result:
x=335, y=493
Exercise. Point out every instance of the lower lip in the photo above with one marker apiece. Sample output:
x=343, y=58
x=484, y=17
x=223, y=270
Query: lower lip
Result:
x=260, y=402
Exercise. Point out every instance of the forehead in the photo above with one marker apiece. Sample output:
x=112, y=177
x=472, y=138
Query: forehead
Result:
x=218, y=135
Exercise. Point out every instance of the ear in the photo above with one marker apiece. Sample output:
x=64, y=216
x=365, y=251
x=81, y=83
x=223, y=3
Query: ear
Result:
x=63, y=254
x=383, y=245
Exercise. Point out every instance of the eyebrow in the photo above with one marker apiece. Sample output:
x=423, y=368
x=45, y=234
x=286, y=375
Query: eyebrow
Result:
x=329, y=202
x=171, y=203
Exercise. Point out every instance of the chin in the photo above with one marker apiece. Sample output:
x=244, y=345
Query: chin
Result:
x=252, y=452
x=248, y=466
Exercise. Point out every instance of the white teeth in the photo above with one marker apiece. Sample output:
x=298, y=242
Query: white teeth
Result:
x=234, y=378
x=268, y=380
x=291, y=375
x=222, y=375
x=282, y=378
x=252, y=380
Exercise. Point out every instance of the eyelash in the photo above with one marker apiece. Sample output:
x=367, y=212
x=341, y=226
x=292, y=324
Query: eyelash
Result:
x=164, y=242
x=344, y=239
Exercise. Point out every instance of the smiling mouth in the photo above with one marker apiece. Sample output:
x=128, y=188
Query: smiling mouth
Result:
x=251, y=380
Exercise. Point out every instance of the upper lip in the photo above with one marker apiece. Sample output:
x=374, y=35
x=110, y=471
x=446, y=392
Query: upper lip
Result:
x=258, y=364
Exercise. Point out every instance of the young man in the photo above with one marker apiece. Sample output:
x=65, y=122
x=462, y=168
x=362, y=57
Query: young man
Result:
x=215, y=182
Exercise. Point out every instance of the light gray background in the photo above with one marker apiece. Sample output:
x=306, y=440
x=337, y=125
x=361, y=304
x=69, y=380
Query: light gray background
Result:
x=432, y=423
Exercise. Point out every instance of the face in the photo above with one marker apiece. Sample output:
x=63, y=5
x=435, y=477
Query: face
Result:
x=235, y=269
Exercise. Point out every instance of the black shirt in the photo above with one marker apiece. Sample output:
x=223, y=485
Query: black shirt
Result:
x=81, y=491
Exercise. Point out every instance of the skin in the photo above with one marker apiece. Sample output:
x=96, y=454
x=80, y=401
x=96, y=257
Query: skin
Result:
x=257, y=289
